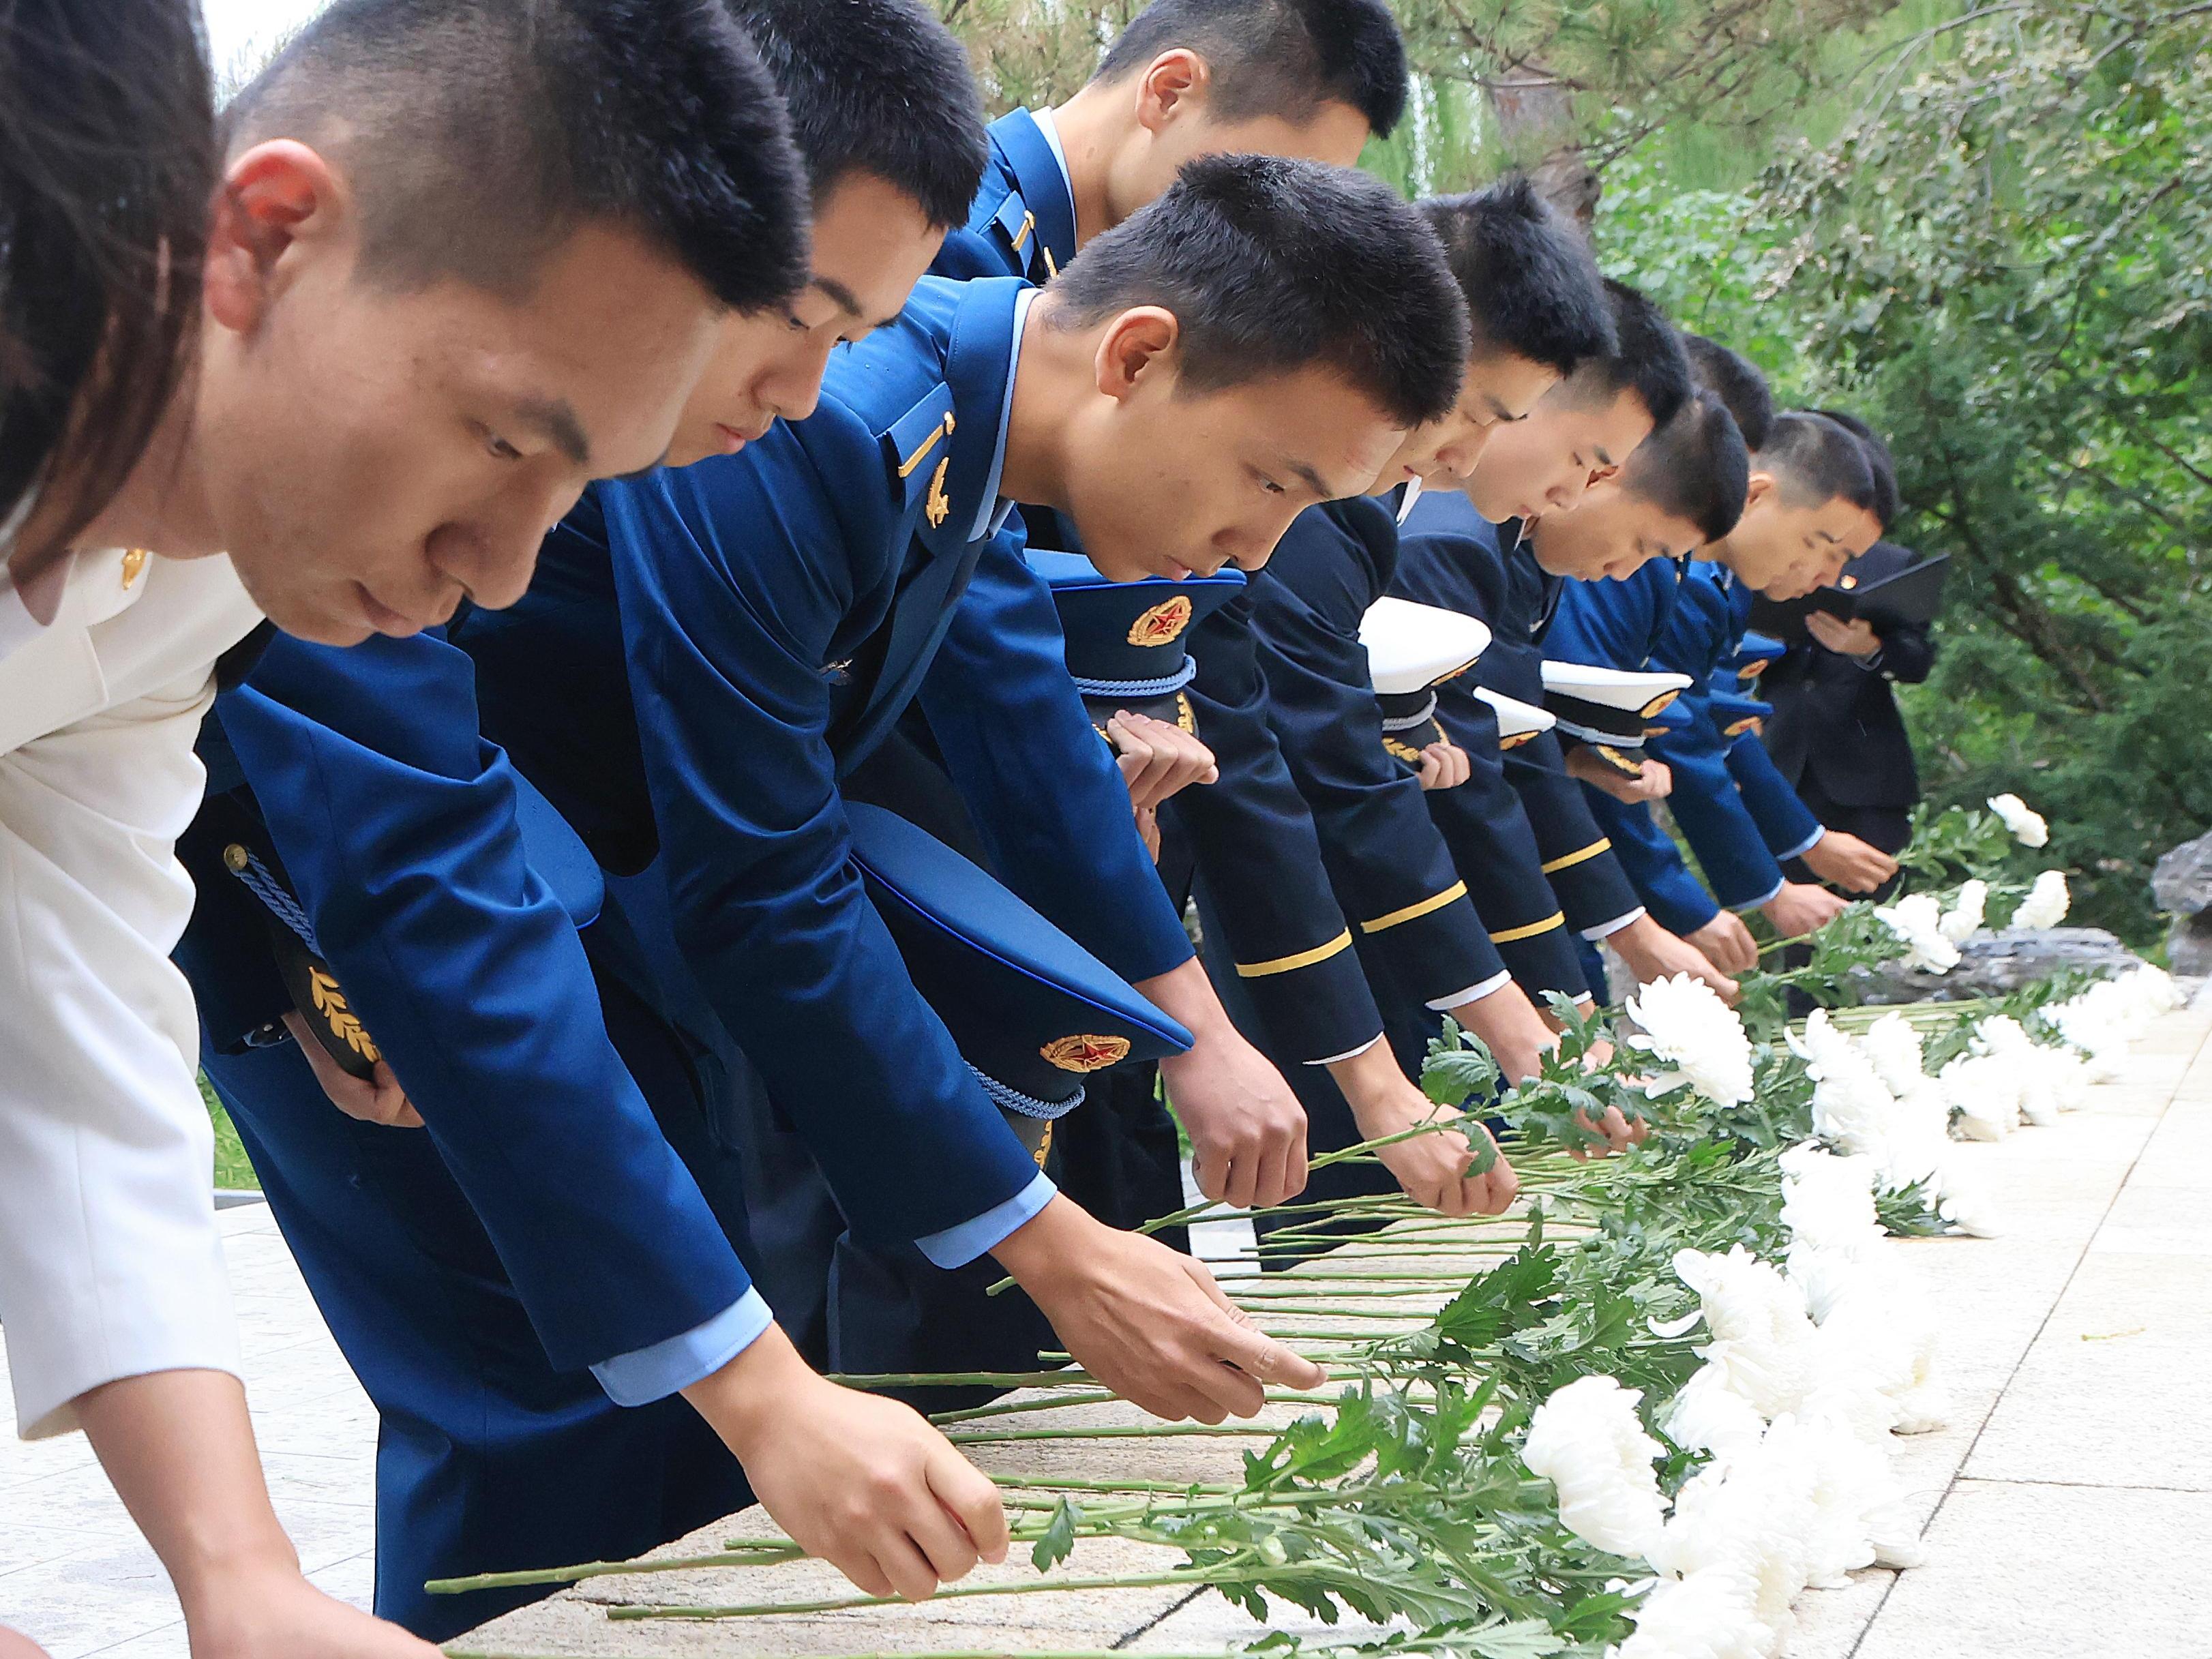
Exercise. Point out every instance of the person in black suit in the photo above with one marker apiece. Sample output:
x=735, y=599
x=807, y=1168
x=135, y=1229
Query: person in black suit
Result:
x=1836, y=734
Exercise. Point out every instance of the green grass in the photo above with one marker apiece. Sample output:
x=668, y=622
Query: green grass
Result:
x=231, y=1167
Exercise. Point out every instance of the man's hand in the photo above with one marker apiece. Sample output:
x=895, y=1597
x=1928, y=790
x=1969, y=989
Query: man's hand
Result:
x=1511, y=1028
x=1655, y=781
x=1651, y=952
x=1845, y=639
x=13, y=1646
x=1727, y=944
x=1157, y=759
x=1148, y=1321
x=1856, y=866
x=1432, y=1167
x=1801, y=909
x=1445, y=765
x=376, y=1098
x=1248, y=1132
x=861, y=1482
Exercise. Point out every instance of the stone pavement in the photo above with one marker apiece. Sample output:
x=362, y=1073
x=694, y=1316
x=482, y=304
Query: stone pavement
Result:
x=2068, y=1506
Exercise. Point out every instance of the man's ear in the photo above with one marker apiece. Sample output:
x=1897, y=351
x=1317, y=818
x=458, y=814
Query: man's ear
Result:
x=273, y=199
x=1761, y=486
x=1173, y=84
x=1137, y=344
x=1601, y=474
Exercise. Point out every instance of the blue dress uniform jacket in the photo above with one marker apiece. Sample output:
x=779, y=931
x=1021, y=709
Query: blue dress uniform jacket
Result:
x=1522, y=832
x=773, y=612
x=543, y=1222
x=1023, y=221
x=1391, y=870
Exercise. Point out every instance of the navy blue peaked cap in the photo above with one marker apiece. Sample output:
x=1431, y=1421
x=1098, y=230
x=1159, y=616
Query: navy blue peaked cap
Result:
x=1735, y=714
x=1126, y=640
x=1033, y=1012
x=1755, y=655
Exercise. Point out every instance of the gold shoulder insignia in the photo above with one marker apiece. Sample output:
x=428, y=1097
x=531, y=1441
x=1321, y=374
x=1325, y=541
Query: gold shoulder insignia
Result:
x=1085, y=1054
x=344, y=1023
x=937, y=507
x=1163, y=623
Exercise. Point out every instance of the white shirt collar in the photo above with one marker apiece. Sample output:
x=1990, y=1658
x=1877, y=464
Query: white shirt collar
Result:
x=991, y=516
x=1051, y=128
x=1406, y=504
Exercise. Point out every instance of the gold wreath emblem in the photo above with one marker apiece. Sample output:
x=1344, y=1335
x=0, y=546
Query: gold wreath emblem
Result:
x=1516, y=740
x=1748, y=723
x=1658, y=703
x=1085, y=1054
x=1619, y=762
x=937, y=506
x=1404, y=752
x=1163, y=624
x=1186, y=716
x=345, y=1025
x=1044, y=1147
x=1751, y=670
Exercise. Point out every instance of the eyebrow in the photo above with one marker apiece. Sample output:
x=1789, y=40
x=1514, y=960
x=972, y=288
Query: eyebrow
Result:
x=556, y=418
x=846, y=300
x=1826, y=536
x=1497, y=408
x=1603, y=460
x=1314, y=481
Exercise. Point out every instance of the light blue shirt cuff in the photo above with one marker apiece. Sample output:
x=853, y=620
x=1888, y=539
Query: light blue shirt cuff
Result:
x=956, y=1247
x=667, y=1367
x=1766, y=897
x=1804, y=845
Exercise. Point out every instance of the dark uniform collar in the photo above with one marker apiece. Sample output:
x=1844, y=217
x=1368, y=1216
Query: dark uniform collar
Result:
x=1038, y=217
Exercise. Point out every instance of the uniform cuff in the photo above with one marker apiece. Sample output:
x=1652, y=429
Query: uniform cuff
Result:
x=956, y=1247
x=669, y=1367
x=1766, y=897
x=1474, y=992
x=1804, y=845
x=1607, y=929
x=1349, y=1053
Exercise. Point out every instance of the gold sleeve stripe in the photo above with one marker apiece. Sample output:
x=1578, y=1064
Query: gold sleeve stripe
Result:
x=1555, y=920
x=1291, y=963
x=1603, y=844
x=1412, y=912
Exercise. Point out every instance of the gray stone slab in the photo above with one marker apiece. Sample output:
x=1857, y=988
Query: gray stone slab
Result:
x=2026, y=1571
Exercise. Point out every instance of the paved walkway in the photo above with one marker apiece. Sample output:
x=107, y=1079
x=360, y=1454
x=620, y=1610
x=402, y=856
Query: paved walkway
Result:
x=2069, y=1506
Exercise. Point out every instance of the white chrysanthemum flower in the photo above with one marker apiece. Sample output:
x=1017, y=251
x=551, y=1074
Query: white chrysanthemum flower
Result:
x=1707, y=1616
x=2037, y=1073
x=1852, y=1107
x=1687, y=1027
x=2152, y=988
x=2046, y=903
x=1984, y=1090
x=1764, y=1341
x=1960, y=920
x=1917, y=922
x=1708, y=1415
x=1745, y=1520
x=1893, y=1044
x=1828, y=1201
x=1964, y=1202
x=2026, y=824
x=1588, y=1442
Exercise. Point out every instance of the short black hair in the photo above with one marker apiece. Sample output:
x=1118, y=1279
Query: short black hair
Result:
x=1696, y=467
x=479, y=135
x=1814, y=457
x=1269, y=264
x=880, y=87
x=1886, y=498
x=1532, y=287
x=1735, y=380
x=1646, y=358
x=1285, y=58
x=107, y=164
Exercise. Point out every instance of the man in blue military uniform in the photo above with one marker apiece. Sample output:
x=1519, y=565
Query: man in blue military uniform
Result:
x=1810, y=504
x=544, y=1223
x=1543, y=876
x=1258, y=339
x=1313, y=79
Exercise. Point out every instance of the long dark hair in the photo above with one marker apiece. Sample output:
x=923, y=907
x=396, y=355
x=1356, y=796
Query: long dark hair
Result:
x=107, y=165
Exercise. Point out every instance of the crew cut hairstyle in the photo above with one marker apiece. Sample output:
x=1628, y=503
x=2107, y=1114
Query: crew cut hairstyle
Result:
x=1532, y=287
x=1270, y=264
x=1646, y=358
x=876, y=86
x=107, y=164
x=1735, y=380
x=1285, y=58
x=1814, y=457
x=1696, y=467
x=478, y=135
x=1886, y=498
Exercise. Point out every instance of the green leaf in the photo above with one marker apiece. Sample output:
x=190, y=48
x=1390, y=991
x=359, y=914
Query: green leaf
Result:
x=1058, y=1541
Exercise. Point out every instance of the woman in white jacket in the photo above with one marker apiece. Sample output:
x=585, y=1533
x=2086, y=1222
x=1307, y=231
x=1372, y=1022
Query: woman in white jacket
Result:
x=354, y=391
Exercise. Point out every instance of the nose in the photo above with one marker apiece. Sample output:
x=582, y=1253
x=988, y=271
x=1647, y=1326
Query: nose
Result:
x=494, y=556
x=791, y=390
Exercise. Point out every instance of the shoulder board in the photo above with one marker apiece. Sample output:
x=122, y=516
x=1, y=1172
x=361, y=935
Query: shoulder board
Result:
x=917, y=448
x=1019, y=226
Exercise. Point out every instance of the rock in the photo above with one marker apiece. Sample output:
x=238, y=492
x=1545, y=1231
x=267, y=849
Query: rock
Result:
x=1995, y=965
x=2189, y=945
x=2182, y=880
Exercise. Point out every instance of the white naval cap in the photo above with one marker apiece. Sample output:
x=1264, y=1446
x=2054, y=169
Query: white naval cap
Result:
x=1517, y=721
x=1607, y=705
x=1411, y=647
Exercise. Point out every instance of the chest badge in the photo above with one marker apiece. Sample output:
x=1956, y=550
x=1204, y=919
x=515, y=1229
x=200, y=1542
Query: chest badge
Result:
x=1163, y=624
x=937, y=506
x=1085, y=1054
